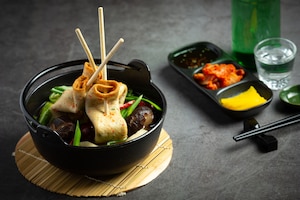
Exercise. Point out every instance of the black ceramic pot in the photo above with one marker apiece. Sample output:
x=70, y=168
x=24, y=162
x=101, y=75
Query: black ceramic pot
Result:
x=93, y=161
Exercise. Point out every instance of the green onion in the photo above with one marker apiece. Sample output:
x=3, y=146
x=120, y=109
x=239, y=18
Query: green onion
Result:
x=124, y=112
x=131, y=108
x=129, y=93
x=57, y=92
x=54, y=97
x=132, y=97
x=60, y=89
x=115, y=142
x=45, y=114
x=77, y=135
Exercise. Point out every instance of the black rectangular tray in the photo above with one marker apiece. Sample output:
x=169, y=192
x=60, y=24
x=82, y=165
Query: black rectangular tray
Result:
x=191, y=59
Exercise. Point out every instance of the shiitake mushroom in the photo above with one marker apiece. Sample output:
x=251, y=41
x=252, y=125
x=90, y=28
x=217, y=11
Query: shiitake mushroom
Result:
x=141, y=117
x=64, y=126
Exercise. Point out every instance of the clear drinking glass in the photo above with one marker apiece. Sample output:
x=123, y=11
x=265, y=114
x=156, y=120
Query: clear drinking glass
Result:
x=274, y=58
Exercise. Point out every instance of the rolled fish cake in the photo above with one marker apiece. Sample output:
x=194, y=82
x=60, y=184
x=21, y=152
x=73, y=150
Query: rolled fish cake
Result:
x=72, y=100
x=110, y=125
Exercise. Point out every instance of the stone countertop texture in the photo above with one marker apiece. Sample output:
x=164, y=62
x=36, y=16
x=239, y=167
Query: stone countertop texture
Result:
x=207, y=163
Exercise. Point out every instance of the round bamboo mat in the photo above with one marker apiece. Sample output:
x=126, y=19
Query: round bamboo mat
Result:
x=41, y=173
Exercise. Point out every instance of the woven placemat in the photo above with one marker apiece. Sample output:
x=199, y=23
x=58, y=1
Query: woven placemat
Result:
x=41, y=173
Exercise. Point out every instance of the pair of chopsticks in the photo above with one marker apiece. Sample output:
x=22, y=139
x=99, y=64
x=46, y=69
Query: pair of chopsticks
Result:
x=270, y=127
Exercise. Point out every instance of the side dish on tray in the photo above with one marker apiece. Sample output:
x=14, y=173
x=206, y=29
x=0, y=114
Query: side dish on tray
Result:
x=216, y=76
x=244, y=101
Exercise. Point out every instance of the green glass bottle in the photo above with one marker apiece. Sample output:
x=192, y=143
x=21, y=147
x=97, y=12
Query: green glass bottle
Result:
x=252, y=21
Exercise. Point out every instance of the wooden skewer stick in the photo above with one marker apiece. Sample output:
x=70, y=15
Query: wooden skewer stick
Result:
x=86, y=48
x=102, y=50
x=102, y=40
x=104, y=62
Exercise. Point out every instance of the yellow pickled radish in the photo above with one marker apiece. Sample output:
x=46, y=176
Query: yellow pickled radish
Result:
x=243, y=101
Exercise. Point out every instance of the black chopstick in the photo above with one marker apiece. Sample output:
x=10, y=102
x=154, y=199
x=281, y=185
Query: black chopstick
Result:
x=270, y=127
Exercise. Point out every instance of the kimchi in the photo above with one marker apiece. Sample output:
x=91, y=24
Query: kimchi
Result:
x=216, y=76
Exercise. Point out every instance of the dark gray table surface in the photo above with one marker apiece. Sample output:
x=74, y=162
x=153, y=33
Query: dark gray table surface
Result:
x=207, y=163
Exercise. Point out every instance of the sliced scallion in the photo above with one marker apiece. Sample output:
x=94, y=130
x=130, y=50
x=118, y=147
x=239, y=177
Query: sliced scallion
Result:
x=77, y=135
